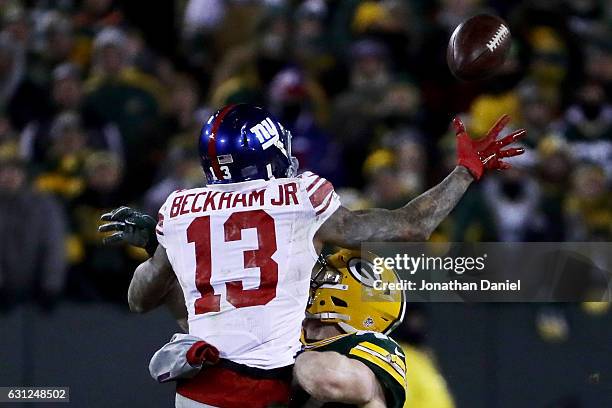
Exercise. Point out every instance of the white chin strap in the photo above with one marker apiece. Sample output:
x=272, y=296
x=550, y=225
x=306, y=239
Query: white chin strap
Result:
x=347, y=328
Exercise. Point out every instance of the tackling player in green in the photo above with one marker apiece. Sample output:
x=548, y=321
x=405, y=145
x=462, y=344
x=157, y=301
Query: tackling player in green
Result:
x=348, y=359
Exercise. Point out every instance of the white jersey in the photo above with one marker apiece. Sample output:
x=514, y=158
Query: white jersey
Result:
x=243, y=254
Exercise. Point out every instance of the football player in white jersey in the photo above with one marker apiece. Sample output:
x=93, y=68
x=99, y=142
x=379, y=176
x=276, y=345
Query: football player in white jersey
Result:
x=242, y=248
x=347, y=360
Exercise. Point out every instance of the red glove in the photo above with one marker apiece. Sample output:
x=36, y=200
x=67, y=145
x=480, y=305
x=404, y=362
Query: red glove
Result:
x=202, y=353
x=485, y=153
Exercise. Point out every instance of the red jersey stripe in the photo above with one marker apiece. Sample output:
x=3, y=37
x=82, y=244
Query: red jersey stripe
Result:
x=160, y=224
x=317, y=198
x=311, y=186
x=322, y=210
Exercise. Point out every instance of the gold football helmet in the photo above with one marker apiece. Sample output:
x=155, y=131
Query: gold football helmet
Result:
x=343, y=291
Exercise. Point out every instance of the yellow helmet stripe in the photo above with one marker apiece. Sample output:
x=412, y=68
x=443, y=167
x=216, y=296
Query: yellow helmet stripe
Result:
x=385, y=353
x=370, y=356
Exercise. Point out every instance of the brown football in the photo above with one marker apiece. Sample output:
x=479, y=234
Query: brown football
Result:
x=478, y=47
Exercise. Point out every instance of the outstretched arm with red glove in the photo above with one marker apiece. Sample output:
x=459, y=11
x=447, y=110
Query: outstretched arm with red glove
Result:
x=420, y=217
x=486, y=153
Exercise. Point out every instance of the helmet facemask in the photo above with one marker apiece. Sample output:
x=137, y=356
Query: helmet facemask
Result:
x=294, y=165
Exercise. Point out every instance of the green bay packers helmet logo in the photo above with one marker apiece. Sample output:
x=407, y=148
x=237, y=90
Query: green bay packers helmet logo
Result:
x=362, y=270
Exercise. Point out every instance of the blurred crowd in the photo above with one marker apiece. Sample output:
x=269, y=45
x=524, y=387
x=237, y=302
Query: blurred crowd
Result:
x=101, y=102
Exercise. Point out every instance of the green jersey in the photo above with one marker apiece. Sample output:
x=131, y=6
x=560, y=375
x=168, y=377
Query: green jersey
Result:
x=378, y=352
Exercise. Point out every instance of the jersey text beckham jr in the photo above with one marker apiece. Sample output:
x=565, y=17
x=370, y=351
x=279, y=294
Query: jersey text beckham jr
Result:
x=243, y=255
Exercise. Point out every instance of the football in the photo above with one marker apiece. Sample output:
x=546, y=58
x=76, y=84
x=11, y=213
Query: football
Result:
x=478, y=47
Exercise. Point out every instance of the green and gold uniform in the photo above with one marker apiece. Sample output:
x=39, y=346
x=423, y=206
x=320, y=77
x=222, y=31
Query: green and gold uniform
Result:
x=379, y=352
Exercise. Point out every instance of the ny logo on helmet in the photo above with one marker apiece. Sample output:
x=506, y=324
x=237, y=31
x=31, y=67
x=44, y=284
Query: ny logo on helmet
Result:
x=268, y=135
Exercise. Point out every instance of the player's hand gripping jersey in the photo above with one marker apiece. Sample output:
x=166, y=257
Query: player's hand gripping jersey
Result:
x=379, y=352
x=243, y=254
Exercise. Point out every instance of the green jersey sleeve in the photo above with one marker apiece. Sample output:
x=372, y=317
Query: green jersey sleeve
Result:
x=381, y=354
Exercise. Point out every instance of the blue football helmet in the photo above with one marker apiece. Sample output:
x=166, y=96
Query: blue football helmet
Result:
x=244, y=142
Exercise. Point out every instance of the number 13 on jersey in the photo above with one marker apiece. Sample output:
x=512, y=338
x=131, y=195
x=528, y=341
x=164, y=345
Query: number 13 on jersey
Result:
x=199, y=233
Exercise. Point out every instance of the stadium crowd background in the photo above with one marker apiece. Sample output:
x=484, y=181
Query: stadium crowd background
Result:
x=101, y=103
